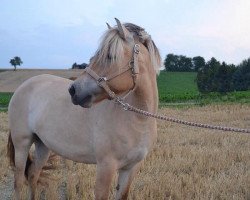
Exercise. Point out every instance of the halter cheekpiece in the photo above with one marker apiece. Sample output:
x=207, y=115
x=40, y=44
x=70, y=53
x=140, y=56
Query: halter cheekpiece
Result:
x=132, y=65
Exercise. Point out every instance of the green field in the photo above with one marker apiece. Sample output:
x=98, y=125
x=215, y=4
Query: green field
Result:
x=5, y=98
x=176, y=88
x=180, y=87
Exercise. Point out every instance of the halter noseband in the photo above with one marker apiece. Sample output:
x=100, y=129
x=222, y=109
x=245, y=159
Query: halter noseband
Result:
x=132, y=65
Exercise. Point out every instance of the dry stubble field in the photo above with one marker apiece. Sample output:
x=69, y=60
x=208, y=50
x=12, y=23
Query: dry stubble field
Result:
x=185, y=163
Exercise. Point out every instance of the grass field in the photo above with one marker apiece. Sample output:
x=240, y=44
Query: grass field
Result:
x=178, y=87
x=10, y=80
x=5, y=98
x=181, y=87
x=185, y=163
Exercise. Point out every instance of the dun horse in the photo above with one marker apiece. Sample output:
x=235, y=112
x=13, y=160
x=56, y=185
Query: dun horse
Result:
x=43, y=112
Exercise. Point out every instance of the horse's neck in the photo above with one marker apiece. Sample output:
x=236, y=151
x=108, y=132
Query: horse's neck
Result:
x=145, y=95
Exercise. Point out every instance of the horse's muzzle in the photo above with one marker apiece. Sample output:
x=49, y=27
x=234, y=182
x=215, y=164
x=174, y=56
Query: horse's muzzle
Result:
x=84, y=101
x=72, y=90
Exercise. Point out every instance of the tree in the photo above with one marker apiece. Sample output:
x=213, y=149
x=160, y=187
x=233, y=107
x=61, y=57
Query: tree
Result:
x=206, y=81
x=171, y=62
x=16, y=61
x=198, y=63
x=215, y=77
x=81, y=66
x=74, y=66
x=178, y=63
x=185, y=64
x=223, y=78
x=241, y=77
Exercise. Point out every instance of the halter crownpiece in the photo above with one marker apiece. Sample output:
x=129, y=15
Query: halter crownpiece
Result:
x=135, y=68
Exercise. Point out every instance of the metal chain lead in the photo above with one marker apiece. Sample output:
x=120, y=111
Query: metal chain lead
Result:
x=128, y=107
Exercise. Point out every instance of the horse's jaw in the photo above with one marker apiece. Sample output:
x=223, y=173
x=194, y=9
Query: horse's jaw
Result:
x=86, y=105
x=85, y=102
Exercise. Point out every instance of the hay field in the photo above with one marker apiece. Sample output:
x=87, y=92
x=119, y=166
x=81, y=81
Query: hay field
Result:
x=10, y=80
x=185, y=163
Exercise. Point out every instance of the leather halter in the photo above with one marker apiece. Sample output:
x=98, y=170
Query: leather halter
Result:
x=132, y=65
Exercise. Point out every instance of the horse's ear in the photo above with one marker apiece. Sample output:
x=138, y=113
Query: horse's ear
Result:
x=109, y=27
x=124, y=33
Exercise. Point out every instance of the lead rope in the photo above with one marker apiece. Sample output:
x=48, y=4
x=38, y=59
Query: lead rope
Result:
x=128, y=107
x=133, y=65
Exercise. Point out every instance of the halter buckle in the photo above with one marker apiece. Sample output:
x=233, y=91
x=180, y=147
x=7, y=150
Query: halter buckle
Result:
x=100, y=80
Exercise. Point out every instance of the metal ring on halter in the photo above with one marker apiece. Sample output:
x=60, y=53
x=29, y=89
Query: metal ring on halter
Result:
x=137, y=48
x=121, y=102
x=130, y=63
x=125, y=106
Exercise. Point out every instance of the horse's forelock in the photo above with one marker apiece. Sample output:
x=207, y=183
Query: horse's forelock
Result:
x=111, y=48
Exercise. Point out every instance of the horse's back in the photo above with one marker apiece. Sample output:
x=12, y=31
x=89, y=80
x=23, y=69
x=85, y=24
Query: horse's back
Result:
x=20, y=105
x=27, y=89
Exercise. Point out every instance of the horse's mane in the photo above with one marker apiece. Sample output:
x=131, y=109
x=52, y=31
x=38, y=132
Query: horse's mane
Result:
x=111, y=47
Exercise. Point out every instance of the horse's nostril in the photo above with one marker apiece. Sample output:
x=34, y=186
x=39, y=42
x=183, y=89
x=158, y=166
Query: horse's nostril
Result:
x=72, y=90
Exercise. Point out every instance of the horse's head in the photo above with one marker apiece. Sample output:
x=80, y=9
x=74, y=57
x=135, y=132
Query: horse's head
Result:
x=114, y=68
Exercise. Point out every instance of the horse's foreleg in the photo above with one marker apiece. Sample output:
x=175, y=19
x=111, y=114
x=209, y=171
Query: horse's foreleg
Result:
x=104, y=176
x=124, y=181
x=41, y=156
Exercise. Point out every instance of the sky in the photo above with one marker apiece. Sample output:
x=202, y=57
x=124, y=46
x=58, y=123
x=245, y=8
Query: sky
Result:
x=57, y=33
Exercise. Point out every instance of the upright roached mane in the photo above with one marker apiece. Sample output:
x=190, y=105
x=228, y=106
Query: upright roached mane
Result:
x=111, y=48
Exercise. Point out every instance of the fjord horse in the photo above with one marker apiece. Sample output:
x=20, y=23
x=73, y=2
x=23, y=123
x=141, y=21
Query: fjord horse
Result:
x=85, y=126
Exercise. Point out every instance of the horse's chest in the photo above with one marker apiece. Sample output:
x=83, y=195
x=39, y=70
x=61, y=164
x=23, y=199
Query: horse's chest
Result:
x=128, y=143
x=131, y=151
x=135, y=155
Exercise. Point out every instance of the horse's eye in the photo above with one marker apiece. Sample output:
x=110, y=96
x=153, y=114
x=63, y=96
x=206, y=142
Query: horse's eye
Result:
x=109, y=57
